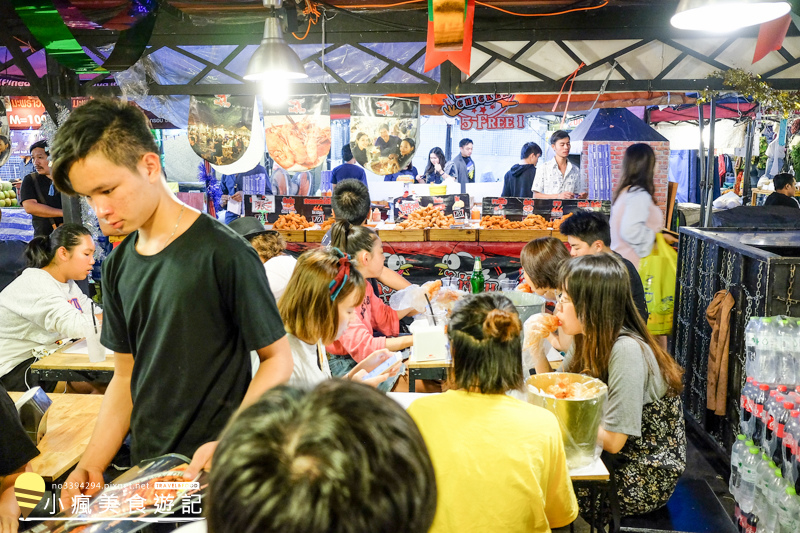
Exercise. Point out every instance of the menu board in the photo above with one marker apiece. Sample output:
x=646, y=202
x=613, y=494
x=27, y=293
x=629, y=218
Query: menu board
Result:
x=452, y=204
x=518, y=208
x=316, y=209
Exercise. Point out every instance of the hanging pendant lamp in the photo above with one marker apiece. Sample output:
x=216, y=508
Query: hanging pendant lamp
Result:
x=274, y=59
x=720, y=16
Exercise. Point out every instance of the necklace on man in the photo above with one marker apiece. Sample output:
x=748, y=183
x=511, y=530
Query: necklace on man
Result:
x=183, y=206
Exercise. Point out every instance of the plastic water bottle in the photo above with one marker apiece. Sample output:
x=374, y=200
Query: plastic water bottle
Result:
x=747, y=485
x=767, y=368
x=736, y=462
x=789, y=511
x=752, y=334
x=764, y=474
x=776, y=399
x=786, y=333
x=758, y=412
x=776, y=490
x=781, y=418
x=746, y=402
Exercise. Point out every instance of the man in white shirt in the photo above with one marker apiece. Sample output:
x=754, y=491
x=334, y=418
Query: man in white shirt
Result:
x=558, y=178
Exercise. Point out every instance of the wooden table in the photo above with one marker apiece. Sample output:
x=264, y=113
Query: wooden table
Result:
x=437, y=370
x=70, y=422
x=62, y=366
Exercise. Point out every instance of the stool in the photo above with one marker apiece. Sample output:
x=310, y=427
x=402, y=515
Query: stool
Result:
x=692, y=508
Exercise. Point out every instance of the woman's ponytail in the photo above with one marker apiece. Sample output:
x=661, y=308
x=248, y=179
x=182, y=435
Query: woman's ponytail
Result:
x=37, y=254
x=42, y=249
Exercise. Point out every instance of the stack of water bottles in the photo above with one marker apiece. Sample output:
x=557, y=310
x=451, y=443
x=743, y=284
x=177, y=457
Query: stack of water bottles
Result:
x=765, y=461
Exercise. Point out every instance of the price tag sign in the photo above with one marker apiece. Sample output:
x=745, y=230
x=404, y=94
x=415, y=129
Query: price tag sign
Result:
x=265, y=204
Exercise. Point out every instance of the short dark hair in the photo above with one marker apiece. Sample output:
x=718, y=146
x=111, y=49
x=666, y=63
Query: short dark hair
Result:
x=39, y=144
x=588, y=226
x=350, y=201
x=529, y=149
x=352, y=239
x=558, y=135
x=463, y=142
x=541, y=259
x=341, y=458
x=118, y=130
x=484, y=333
x=347, y=153
x=782, y=180
x=411, y=142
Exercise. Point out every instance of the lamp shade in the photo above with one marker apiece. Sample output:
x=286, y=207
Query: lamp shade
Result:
x=274, y=59
x=720, y=16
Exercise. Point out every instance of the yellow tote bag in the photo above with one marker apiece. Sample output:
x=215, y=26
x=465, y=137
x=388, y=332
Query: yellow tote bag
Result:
x=658, y=271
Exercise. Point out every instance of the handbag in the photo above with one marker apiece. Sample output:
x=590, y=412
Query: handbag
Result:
x=658, y=271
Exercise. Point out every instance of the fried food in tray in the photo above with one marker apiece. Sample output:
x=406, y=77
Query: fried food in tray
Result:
x=302, y=145
x=566, y=389
x=530, y=222
x=329, y=222
x=292, y=221
x=556, y=224
x=537, y=328
x=429, y=217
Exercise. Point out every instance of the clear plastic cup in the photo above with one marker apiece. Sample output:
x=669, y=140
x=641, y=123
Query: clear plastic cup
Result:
x=437, y=318
x=450, y=283
x=508, y=285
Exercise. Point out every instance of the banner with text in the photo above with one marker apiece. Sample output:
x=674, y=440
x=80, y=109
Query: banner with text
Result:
x=483, y=111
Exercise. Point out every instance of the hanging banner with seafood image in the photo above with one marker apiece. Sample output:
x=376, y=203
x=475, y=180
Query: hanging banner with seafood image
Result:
x=220, y=127
x=383, y=132
x=299, y=133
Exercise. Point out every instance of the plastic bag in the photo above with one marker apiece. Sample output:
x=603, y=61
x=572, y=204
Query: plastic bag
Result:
x=658, y=271
x=411, y=296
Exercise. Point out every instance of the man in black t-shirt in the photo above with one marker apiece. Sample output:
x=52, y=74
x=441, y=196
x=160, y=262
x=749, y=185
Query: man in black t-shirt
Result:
x=185, y=300
x=16, y=450
x=38, y=195
x=784, y=191
x=588, y=233
x=462, y=166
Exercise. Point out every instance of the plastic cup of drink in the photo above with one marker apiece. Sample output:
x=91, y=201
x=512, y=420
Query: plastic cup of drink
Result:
x=508, y=285
x=97, y=353
x=450, y=283
x=437, y=318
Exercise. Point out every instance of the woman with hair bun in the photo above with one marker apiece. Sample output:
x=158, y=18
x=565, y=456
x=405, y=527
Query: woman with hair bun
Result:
x=44, y=305
x=500, y=463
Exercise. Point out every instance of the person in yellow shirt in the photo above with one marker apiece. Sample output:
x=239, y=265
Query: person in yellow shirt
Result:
x=499, y=462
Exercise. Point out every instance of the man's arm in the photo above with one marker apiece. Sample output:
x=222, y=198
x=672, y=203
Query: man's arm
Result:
x=275, y=369
x=112, y=425
x=392, y=279
x=33, y=207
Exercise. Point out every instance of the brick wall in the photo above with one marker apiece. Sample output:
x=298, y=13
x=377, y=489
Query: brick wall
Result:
x=617, y=152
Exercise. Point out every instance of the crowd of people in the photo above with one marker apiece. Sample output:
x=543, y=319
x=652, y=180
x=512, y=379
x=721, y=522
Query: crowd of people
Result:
x=226, y=349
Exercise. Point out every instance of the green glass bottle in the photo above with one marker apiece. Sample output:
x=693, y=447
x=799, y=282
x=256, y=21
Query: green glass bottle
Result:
x=476, y=280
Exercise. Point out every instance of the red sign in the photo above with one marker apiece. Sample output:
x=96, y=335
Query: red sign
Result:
x=26, y=113
x=483, y=111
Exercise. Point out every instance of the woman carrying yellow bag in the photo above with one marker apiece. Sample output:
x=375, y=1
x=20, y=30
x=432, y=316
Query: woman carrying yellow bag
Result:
x=636, y=223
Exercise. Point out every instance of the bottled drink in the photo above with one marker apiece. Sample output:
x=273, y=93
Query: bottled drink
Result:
x=767, y=368
x=785, y=357
x=764, y=474
x=747, y=484
x=781, y=418
x=789, y=511
x=776, y=399
x=758, y=412
x=476, y=280
x=747, y=423
x=790, y=432
x=736, y=462
x=768, y=518
x=751, y=338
